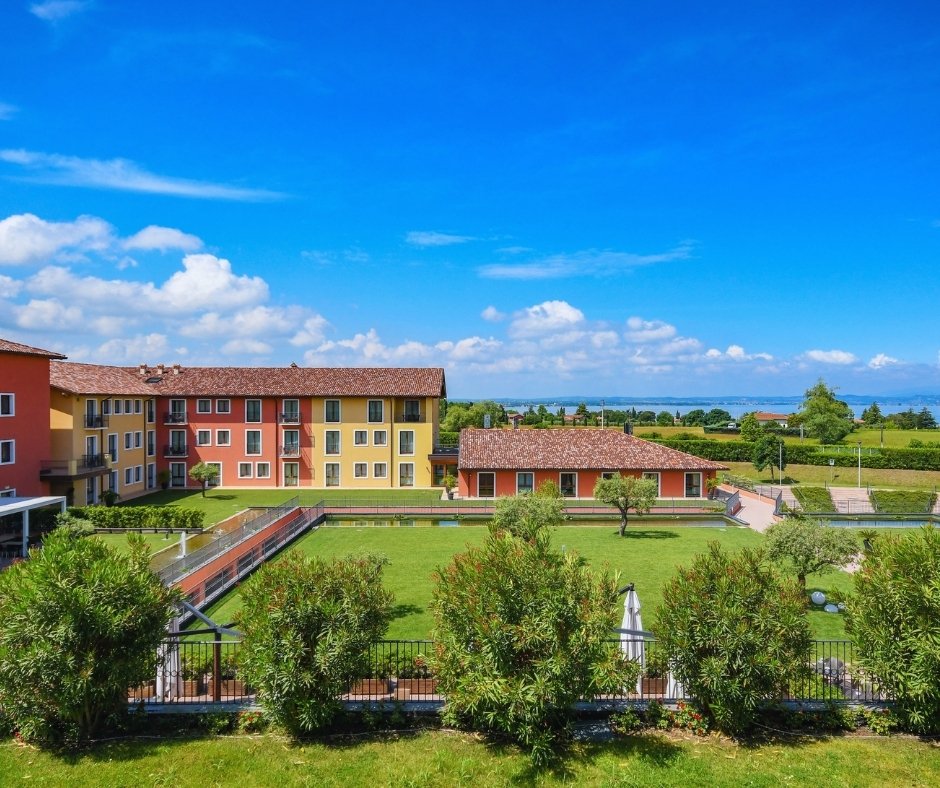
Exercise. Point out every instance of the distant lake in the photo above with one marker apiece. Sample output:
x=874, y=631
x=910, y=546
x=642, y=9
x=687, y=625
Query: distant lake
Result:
x=736, y=406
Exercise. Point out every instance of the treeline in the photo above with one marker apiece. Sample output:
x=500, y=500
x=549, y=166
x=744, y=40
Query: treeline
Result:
x=144, y=517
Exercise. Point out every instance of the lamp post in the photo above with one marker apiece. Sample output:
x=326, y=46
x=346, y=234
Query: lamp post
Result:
x=859, y=464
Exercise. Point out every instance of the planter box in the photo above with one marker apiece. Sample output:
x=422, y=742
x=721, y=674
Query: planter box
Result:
x=371, y=687
x=654, y=687
x=193, y=688
x=407, y=687
x=144, y=691
x=233, y=688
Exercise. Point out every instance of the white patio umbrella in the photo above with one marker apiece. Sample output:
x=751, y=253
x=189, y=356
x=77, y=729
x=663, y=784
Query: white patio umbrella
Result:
x=674, y=688
x=631, y=633
x=169, y=678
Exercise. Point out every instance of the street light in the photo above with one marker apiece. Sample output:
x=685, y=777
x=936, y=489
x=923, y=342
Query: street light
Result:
x=859, y=464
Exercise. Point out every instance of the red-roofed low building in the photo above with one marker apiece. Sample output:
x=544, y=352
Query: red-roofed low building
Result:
x=508, y=462
x=24, y=418
x=781, y=419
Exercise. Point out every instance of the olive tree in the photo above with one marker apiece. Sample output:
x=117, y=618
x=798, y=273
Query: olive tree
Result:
x=626, y=493
x=894, y=618
x=734, y=631
x=80, y=624
x=204, y=473
x=808, y=546
x=523, y=631
x=308, y=625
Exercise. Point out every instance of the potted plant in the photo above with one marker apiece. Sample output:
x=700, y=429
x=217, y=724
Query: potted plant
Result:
x=415, y=679
x=109, y=497
x=449, y=482
x=164, y=478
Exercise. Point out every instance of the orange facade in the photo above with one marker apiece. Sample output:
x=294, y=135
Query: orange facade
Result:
x=24, y=423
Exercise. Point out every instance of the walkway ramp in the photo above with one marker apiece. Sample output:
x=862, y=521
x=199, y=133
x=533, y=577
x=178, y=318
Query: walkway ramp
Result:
x=757, y=511
x=851, y=500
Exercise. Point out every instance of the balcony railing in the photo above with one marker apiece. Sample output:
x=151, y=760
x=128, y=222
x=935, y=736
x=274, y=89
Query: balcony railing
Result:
x=87, y=463
x=95, y=421
x=410, y=418
x=290, y=451
x=175, y=450
x=174, y=417
x=290, y=418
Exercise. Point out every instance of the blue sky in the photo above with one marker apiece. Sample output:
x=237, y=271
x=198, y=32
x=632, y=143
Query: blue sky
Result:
x=544, y=198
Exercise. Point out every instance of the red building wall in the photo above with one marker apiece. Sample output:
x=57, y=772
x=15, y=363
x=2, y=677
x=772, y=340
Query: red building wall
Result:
x=27, y=378
x=671, y=482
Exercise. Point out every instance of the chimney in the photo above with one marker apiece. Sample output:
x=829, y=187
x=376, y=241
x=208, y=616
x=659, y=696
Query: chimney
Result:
x=142, y=369
x=160, y=369
x=176, y=369
x=628, y=428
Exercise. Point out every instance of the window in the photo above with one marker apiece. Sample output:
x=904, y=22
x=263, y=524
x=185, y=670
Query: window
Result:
x=379, y=438
x=245, y=470
x=223, y=406
x=203, y=437
x=138, y=473
x=128, y=476
x=290, y=411
x=693, y=485
x=486, y=485
x=406, y=474
x=113, y=446
x=655, y=476
x=608, y=475
x=331, y=444
x=568, y=484
x=379, y=470
x=151, y=411
x=113, y=481
x=128, y=440
x=412, y=410
x=331, y=413
x=151, y=475
x=151, y=443
x=138, y=439
x=177, y=474
x=291, y=443
x=105, y=407
x=177, y=445
x=525, y=482
x=361, y=438
x=291, y=474
x=7, y=452
x=117, y=407
x=6, y=404
x=203, y=406
x=7, y=493
x=177, y=414
x=376, y=411
x=262, y=470
x=216, y=480
x=437, y=475
x=332, y=474
x=406, y=442
x=252, y=441
x=128, y=406
x=361, y=470
x=137, y=406
x=253, y=411
x=223, y=437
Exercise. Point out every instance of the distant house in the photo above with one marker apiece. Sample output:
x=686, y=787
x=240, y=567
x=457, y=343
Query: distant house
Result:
x=508, y=462
x=763, y=418
x=515, y=419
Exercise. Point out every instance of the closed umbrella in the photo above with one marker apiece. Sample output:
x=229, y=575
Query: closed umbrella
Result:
x=169, y=678
x=632, y=643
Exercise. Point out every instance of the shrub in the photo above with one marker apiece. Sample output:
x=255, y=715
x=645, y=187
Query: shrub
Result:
x=902, y=501
x=809, y=546
x=814, y=499
x=734, y=632
x=308, y=625
x=79, y=624
x=522, y=632
x=894, y=617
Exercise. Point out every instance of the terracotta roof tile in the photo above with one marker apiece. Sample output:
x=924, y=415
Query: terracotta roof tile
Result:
x=6, y=346
x=96, y=379
x=571, y=448
x=294, y=381
x=765, y=416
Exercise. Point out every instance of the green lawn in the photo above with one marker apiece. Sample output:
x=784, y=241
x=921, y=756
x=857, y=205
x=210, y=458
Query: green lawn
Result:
x=156, y=541
x=439, y=758
x=647, y=556
x=820, y=475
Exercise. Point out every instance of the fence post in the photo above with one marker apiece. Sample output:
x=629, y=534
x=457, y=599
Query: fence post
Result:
x=217, y=668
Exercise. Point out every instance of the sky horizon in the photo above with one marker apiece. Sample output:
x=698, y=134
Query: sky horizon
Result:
x=667, y=201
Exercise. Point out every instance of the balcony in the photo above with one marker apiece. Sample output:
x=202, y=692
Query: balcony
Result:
x=289, y=418
x=78, y=468
x=290, y=451
x=409, y=418
x=176, y=450
x=95, y=421
x=174, y=417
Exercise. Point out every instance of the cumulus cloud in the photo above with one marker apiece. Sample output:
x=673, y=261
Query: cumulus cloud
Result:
x=367, y=348
x=9, y=287
x=56, y=10
x=425, y=238
x=590, y=262
x=469, y=348
x=641, y=331
x=881, y=361
x=492, y=314
x=545, y=317
x=154, y=237
x=125, y=175
x=245, y=346
x=839, y=357
x=25, y=238
x=131, y=350
x=313, y=331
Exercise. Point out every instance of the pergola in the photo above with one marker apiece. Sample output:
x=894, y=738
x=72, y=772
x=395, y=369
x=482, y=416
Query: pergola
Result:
x=24, y=506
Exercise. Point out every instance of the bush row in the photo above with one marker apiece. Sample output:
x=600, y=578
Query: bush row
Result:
x=743, y=451
x=140, y=517
x=903, y=501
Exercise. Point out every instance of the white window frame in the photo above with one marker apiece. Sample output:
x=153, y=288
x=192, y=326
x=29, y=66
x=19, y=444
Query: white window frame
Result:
x=260, y=411
x=151, y=475
x=128, y=441
x=219, y=441
x=11, y=448
x=401, y=436
x=326, y=474
x=203, y=437
x=128, y=476
x=138, y=406
x=380, y=470
x=117, y=408
x=138, y=439
x=568, y=473
x=377, y=441
x=117, y=445
x=520, y=474
x=284, y=408
x=364, y=434
x=138, y=474
x=339, y=411
x=381, y=404
x=203, y=406
x=218, y=479
x=128, y=407
x=260, y=444
x=151, y=443
x=659, y=479
x=11, y=493
x=226, y=408
x=10, y=398
x=364, y=467
x=173, y=467
x=284, y=466
x=401, y=468
x=339, y=443
x=151, y=411
x=246, y=470
x=259, y=474
x=685, y=488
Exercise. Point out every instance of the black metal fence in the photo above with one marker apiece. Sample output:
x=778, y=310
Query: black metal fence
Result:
x=200, y=671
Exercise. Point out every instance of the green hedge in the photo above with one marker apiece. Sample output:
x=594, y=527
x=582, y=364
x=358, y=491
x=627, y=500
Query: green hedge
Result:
x=806, y=454
x=902, y=501
x=814, y=499
x=141, y=517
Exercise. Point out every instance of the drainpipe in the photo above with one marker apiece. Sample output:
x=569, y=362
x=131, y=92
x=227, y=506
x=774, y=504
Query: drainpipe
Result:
x=391, y=440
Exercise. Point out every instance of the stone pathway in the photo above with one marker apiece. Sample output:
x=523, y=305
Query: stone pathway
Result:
x=757, y=513
x=851, y=500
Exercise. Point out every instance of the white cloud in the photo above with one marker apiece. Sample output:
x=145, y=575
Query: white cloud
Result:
x=513, y=250
x=7, y=111
x=162, y=238
x=251, y=347
x=840, y=357
x=9, y=287
x=736, y=352
x=312, y=332
x=549, y=316
x=25, y=238
x=207, y=281
x=470, y=348
x=45, y=314
x=881, y=361
x=57, y=10
x=322, y=257
x=641, y=331
x=591, y=262
x=426, y=238
x=125, y=175
x=142, y=348
x=492, y=314
x=367, y=348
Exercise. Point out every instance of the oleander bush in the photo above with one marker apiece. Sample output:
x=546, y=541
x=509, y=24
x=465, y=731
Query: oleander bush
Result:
x=140, y=516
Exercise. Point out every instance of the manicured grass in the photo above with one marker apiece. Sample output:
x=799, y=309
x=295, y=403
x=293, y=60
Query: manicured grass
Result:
x=647, y=556
x=439, y=758
x=903, y=501
x=819, y=475
x=814, y=499
x=156, y=541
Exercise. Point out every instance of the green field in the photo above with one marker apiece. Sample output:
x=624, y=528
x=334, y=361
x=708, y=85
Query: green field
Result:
x=441, y=758
x=155, y=541
x=821, y=475
x=647, y=556
x=893, y=439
